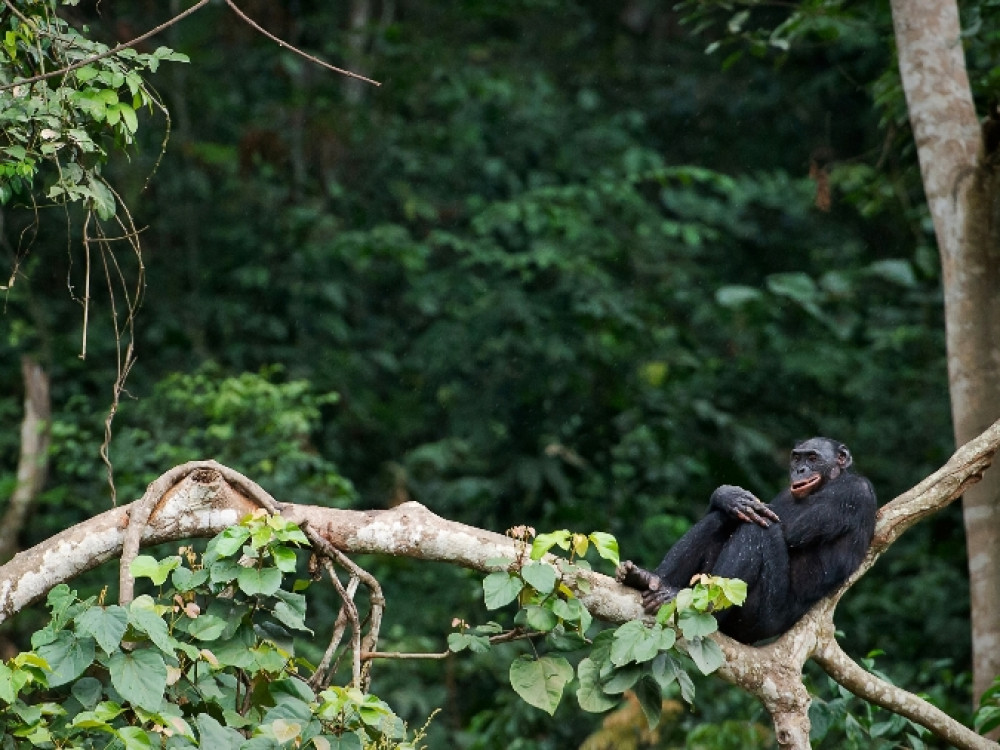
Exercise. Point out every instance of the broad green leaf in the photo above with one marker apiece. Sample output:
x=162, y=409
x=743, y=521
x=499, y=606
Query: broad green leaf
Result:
x=102, y=200
x=230, y=541
x=477, y=644
x=142, y=615
x=139, y=676
x=736, y=295
x=706, y=654
x=540, y=682
x=287, y=531
x=207, y=627
x=572, y=610
x=544, y=542
x=88, y=691
x=67, y=656
x=650, y=700
x=284, y=558
x=541, y=618
x=589, y=694
x=734, y=590
x=345, y=741
x=187, y=580
x=500, y=589
x=8, y=692
x=224, y=571
x=213, y=735
x=562, y=639
x=129, y=119
x=262, y=582
x=622, y=679
x=664, y=669
x=898, y=271
x=157, y=571
x=284, y=730
x=106, y=624
x=136, y=738
x=290, y=616
x=696, y=624
x=606, y=546
x=86, y=73
x=539, y=576
x=633, y=643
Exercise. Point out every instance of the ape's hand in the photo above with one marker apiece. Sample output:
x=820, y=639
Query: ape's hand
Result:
x=741, y=504
x=653, y=599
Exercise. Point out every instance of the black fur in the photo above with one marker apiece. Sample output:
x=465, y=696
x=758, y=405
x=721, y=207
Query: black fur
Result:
x=789, y=565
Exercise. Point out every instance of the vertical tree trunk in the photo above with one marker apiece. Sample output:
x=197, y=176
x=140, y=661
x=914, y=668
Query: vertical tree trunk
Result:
x=356, y=40
x=33, y=463
x=961, y=187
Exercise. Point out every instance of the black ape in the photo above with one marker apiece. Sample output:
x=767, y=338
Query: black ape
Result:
x=791, y=553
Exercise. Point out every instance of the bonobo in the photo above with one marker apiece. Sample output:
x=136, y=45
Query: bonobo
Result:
x=791, y=553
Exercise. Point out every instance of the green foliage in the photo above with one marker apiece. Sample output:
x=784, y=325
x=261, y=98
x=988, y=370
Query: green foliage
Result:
x=207, y=662
x=637, y=656
x=987, y=716
x=259, y=423
x=67, y=122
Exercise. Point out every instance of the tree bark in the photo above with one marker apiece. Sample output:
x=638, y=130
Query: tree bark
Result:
x=33, y=463
x=960, y=182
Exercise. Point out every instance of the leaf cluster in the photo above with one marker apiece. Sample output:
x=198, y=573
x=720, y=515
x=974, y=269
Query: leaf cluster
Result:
x=70, y=122
x=639, y=656
x=206, y=662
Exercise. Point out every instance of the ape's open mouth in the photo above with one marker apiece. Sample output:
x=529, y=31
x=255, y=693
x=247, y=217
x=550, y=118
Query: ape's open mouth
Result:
x=804, y=486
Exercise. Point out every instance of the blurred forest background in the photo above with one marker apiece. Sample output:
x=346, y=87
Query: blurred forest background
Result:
x=565, y=267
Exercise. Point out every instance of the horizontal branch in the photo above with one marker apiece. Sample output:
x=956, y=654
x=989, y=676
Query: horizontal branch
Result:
x=203, y=503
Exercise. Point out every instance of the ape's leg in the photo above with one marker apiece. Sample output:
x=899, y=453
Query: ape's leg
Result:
x=759, y=557
x=694, y=553
x=697, y=551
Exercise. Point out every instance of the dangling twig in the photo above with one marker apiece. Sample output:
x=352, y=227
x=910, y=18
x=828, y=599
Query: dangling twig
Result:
x=319, y=678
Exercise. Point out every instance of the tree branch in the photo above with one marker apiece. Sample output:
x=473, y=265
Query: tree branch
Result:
x=108, y=53
x=875, y=690
x=285, y=45
x=203, y=498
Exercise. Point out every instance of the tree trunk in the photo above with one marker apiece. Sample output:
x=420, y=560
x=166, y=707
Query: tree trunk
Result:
x=960, y=183
x=33, y=463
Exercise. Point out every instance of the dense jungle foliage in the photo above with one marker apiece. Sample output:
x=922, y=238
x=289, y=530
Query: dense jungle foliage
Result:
x=564, y=268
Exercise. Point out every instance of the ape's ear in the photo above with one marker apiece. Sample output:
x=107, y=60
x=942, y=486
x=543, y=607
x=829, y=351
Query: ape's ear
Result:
x=844, y=458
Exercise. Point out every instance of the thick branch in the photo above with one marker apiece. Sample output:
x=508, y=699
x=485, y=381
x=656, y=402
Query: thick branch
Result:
x=204, y=498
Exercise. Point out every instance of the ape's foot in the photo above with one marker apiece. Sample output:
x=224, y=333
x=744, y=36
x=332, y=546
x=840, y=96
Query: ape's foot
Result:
x=653, y=599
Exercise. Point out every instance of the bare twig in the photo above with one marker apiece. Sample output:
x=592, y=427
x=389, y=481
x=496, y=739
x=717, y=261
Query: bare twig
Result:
x=319, y=677
x=285, y=45
x=377, y=600
x=21, y=17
